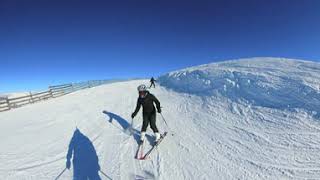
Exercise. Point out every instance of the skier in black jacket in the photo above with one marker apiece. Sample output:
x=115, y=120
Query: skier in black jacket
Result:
x=152, y=81
x=146, y=100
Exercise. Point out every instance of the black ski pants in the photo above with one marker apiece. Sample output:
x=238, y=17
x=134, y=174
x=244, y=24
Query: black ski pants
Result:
x=149, y=118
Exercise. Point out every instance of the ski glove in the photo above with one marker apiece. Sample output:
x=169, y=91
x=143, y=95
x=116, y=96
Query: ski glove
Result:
x=68, y=164
x=133, y=115
x=159, y=110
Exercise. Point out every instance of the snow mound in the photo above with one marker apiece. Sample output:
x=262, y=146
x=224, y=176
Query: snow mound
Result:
x=268, y=82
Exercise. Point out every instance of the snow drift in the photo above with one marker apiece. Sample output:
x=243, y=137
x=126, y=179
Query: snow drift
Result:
x=268, y=82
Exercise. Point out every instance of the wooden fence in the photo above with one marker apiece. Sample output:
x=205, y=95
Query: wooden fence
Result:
x=53, y=92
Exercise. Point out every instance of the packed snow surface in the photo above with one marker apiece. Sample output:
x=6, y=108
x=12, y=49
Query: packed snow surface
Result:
x=247, y=119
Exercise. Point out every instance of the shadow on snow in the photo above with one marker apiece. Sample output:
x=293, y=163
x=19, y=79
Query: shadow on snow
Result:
x=84, y=157
x=125, y=126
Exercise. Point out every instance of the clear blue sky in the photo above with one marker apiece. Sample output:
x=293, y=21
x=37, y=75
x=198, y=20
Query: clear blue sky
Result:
x=54, y=41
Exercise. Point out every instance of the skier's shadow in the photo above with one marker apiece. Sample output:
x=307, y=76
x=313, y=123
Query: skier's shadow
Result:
x=125, y=125
x=122, y=122
x=84, y=157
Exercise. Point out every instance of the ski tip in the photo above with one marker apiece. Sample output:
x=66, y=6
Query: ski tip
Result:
x=140, y=158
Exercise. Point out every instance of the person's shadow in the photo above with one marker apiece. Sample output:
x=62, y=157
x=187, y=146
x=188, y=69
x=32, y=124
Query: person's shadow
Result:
x=84, y=158
x=123, y=123
x=126, y=127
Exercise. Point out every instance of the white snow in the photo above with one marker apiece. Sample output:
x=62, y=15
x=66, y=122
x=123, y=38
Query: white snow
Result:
x=264, y=126
x=268, y=82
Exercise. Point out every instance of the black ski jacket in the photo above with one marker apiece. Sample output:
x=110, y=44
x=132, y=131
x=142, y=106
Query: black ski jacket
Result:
x=147, y=104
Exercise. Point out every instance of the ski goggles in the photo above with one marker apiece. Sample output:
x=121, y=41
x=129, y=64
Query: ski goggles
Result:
x=142, y=94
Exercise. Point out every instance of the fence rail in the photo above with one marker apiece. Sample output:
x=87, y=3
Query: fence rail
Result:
x=52, y=92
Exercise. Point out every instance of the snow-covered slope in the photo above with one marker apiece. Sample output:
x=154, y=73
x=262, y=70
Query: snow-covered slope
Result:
x=226, y=132
x=268, y=82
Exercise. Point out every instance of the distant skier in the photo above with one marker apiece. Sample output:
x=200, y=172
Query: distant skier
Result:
x=146, y=100
x=152, y=81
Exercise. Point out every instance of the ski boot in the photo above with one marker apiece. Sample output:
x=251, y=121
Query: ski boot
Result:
x=158, y=136
x=142, y=137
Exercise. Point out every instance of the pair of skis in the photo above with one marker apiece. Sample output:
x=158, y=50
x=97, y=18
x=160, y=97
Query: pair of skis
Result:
x=139, y=154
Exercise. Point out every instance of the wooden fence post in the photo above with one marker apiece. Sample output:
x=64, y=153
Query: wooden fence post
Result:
x=31, y=98
x=8, y=103
x=51, y=93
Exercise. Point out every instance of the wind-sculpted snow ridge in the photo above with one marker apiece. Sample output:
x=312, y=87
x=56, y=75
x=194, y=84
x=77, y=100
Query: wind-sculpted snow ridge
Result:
x=267, y=82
